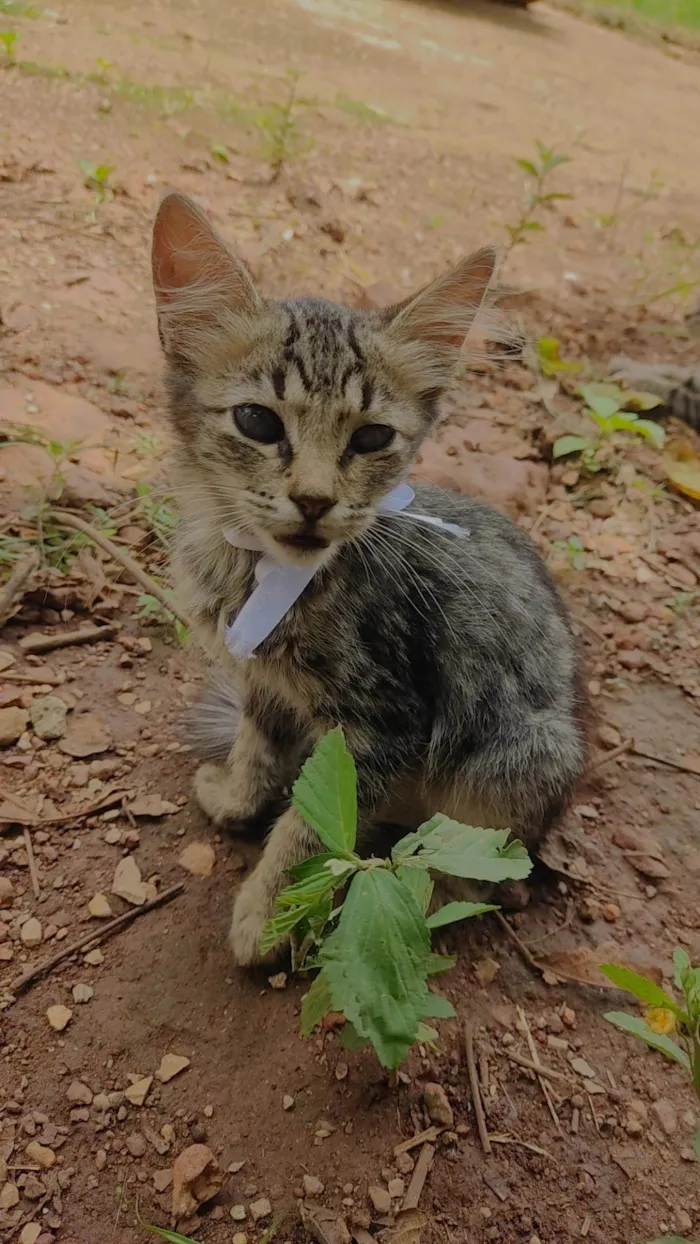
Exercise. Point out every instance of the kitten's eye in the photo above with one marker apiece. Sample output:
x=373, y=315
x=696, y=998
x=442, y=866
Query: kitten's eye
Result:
x=371, y=437
x=258, y=423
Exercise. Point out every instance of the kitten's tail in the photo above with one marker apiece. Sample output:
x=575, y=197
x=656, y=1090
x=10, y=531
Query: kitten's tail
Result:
x=678, y=387
x=213, y=720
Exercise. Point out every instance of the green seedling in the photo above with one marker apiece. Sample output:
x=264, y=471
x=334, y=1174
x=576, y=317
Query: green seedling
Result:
x=152, y=610
x=279, y=129
x=664, y=1016
x=373, y=952
x=613, y=410
x=8, y=38
x=574, y=550
x=537, y=171
x=96, y=178
x=367, y=114
x=549, y=358
x=220, y=153
x=172, y=1237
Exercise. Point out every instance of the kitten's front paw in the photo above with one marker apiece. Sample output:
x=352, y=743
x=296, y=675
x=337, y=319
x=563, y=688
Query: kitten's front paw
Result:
x=212, y=788
x=252, y=909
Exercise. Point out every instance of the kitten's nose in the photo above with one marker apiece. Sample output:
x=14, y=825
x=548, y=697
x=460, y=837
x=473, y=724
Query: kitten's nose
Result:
x=313, y=508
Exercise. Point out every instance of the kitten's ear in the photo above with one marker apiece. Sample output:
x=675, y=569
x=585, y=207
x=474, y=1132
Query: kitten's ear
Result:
x=434, y=323
x=201, y=289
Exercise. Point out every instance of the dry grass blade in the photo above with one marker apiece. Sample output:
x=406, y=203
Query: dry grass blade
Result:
x=541, y=1080
x=476, y=1089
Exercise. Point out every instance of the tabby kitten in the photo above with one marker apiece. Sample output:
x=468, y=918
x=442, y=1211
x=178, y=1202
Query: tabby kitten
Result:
x=448, y=661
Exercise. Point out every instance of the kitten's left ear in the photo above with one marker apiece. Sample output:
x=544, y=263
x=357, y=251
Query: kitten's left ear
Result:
x=434, y=322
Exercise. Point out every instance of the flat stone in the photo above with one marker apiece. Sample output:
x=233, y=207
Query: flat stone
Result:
x=86, y=735
x=99, y=907
x=198, y=858
x=136, y=1093
x=380, y=1199
x=59, y=1017
x=170, y=1066
x=31, y=933
x=94, y=958
x=13, y=723
x=152, y=805
x=128, y=884
x=83, y=993
x=9, y=1196
x=48, y=716
x=396, y=1188
x=665, y=1114
x=79, y=1094
x=30, y=1234
x=136, y=1144
x=260, y=1209
x=6, y=659
x=313, y=1186
x=239, y=1213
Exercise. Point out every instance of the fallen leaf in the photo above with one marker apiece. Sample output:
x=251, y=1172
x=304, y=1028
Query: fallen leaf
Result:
x=152, y=805
x=585, y=963
x=86, y=735
x=682, y=467
x=196, y=1179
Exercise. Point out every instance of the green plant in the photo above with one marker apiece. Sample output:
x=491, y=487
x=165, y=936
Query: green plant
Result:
x=172, y=1237
x=374, y=951
x=550, y=362
x=365, y=113
x=279, y=128
x=96, y=178
x=537, y=172
x=8, y=38
x=612, y=409
x=664, y=1016
x=151, y=609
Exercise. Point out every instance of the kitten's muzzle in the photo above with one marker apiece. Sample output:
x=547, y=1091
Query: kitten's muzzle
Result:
x=312, y=507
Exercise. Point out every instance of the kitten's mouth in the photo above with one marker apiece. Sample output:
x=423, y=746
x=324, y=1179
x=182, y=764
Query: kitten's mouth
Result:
x=305, y=541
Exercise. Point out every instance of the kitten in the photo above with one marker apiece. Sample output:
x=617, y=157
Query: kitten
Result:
x=677, y=386
x=448, y=661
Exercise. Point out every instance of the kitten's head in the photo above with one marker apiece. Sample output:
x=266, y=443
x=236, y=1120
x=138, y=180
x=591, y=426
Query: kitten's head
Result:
x=300, y=415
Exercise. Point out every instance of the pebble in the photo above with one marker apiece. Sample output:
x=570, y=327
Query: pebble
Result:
x=113, y=836
x=99, y=907
x=86, y=735
x=137, y=1092
x=48, y=716
x=9, y=1196
x=238, y=1213
x=198, y=858
x=59, y=1017
x=240, y=1238
x=170, y=1066
x=260, y=1209
x=30, y=1234
x=666, y=1115
x=41, y=1154
x=6, y=889
x=79, y=1093
x=611, y=912
x=136, y=1144
x=31, y=933
x=313, y=1186
x=94, y=958
x=13, y=722
x=341, y=1071
x=608, y=736
x=162, y=1179
x=437, y=1105
x=127, y=883
x=83, y=993
x=287, y=1102
x=396, y=1188
x=101, y=1159
x=404, y=1163
x=278, y=981
x=380, y=1199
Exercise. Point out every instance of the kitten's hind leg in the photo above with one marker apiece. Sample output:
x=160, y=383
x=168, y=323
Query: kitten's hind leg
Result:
x=240, y=792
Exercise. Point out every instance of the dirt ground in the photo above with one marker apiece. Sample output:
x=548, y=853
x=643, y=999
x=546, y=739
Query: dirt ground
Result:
x=401, y=157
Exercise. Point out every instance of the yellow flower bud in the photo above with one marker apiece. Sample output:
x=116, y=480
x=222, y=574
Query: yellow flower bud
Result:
x=661, y=1020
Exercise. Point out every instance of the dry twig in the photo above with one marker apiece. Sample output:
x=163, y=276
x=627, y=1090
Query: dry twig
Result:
x=523, y=1144
x=428, y=1137
x=95, y=936
x=476, y=1091
x=28, y=817
x=33, y=874
x=541, y=1080
x=14, y=588
x=627, y=745
x=549, y=1074
x=64, y=639
x=418, y=1178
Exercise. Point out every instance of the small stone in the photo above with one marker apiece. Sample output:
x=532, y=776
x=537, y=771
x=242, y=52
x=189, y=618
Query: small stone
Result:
x=48, y=716
x=486, y=971
x=260, y=1209
x=278, y=981
x=33, y=1188
x=86, y=735
x=94, y=958
x=239, y=1213
x=198, y=858
x=6, y=659
x=587, y=811
x=611, y=912
x=99, y=907
x=127, y=883
x=437, y=1105
x=380, y=1199
x=588, y=909
x=13, y=723
x=30, y=1234
x=396, y=1188
x=287, y=1102
x=136, y=1144
x=208, y=1112
x=31, y=933
x=313, y=1186
x=341, y=1071
x=137, y=1092
x=59, y=1017
x=240, y=1238
x=143, y=707
x=41, y=1154
x=582, y=1068
x=9, y=1196
x=404, y=1163
x=101, y=1159
x=83, y=993
x=162, y=1180
x=79, y=1093
x=170, y=1066
x=665, y=1115
x=608, y=736
x=113, y=836
x=6, y=890
x=152, y=805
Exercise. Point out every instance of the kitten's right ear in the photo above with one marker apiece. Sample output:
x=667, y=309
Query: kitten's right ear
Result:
x=201, y=289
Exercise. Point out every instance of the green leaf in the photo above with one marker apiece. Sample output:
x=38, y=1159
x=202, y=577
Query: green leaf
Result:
x=315, y=1006
x=681, y=964
x=440, y=963
x=325, y=794
x=602, y=404
x=532, y=226
x=315, y=866
x=350, y=1038
x=419, y=883
x=458, y=911
x=639, y=986
x=528, y=167
x=437, y=1007
x=468, y=851
x=634, y=400
x=173, y=1237
x=280, y=925
x=651, y=432
x=425, y=1034
x=569, y=445
x=376, y=963
x=306, y=893
x=638, y=1028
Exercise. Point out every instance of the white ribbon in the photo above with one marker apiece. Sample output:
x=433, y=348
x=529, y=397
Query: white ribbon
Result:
x=278, y=587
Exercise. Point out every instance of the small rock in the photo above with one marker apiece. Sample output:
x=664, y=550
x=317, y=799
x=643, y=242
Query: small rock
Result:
x=6, y=659
x=582, y=1068
x=59, y=1017
x=170, y=1066
x=608, y=736
x=101, y=1159
x=587, y=811
x=94, y=958
x=665, y=1114
x=79, y=1093
x=48, y=716
x=86, y=735
x=589, y=909
x=611, y=912
x=240, y=1238
x=6, y=890
x=380, y=1199
x=196, y=1179
x=404, y=1163
x=198, y=858
x=152, y=805
x=313, y=1186
x=396, y=1188
x=486, y=971
x=632, y=659
x=137, y=1092
x=83, y=993
x=649, y=867
x=437, y=1105
x=9, y=1196
x=633, y=610
x=13, y=723
x=30, y=1234
x=113, y=836
x=136, y=1144
x=41, y=1154
x=287, y=1102
x=239, y=1213
x=127, y=883
x=278, y=981
x=31, y=933
x=341, y=1071
x=99, y=907
x=260, y=1209
x=162, y=1180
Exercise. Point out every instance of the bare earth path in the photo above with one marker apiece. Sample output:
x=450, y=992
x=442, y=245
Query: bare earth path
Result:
x=401, y=157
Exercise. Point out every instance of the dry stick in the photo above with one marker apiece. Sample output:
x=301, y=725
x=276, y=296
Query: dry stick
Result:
x=64, y=639
x=429, y=1136
x=681, y=765
x=541, y=1070
x=107, y=801
x=33, y=874
x=30, y=679
x=96, y=935
x=626, y=746
x=418, y=1178
x=541, y=1080
x=16, y=584
x=132, y=567
x=476, y=1091
x=533, y=963
x=523, y=1144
